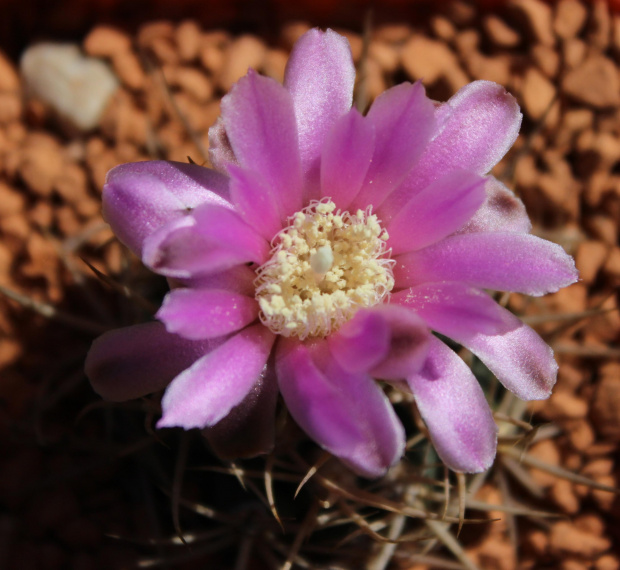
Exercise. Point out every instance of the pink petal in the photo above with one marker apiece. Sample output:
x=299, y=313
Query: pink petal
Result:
x=403, y=118
x=455, y=411
x=502, y=211
x=249, y=428
x=238, y=279
x=319, y=76
x=500, y=261
x=436, y=212
x=141, y=197
x=206, y=313
x=260, y=123
x=205, y=393
x=255, y=202
x=345, y=413
x=385, y=341
x=209, y=240
x=452, y=306
x=476, y=127
x=131, y=362
x=519, y=358
x=346, y=156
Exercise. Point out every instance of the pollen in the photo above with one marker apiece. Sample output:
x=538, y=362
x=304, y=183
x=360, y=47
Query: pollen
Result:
x=324, y=266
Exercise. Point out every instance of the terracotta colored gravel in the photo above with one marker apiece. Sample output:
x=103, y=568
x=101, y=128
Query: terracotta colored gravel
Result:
x=71, y=476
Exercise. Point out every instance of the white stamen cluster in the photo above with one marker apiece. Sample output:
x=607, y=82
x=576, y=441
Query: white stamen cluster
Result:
x=324, y=266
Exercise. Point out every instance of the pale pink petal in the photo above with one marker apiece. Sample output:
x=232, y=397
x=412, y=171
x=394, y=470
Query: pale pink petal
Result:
x=437, y=211
x=206, y=313
x=451, y=305
x=475, y=129
x=519, y=358
x=260, y=123
x=500, y=261
x=347, y=154
x=319, y=76
x=255, y=202
x=403, y=119
x=345, y=413
x=238, y=279
x=209, y=240
x=385, y=341
x=455, y=411
x=502, y=211
x=249, y=428
x=141, y=197
x=206, y=392
x=131, y=362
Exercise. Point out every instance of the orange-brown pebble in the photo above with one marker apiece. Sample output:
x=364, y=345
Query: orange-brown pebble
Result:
x=573, y=53
x=595, y=82
x=537, y=17
x=546, y=451
x=443, y=28
x=106, y=41
x=599, y=26
x=275, y=64
x=385, y=55
x=564, y=405
x=129, y=70
x=607, y=562
x=538, y=93
x=244, y=52
x=11, y=200
x=566, y=538
x=188, y=39
x=9, y=79
x=569, y=19
x=431, y=60
x=499, y=32
x=590, y=257
x=563, y=495
x=606, y=402
x=292, y=31
x=580, y=434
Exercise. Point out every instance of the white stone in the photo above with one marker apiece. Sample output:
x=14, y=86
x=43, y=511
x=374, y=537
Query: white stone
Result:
x=77, y=87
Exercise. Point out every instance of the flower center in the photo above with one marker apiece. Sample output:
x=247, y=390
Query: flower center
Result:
x=324, y=266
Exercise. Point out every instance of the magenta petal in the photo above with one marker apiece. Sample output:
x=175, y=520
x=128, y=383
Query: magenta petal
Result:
x=319, y=76
x=519, y=358
x=500, y=261
x=475, y=128
x=502, y=211
x=403, y=119
x=204, y=394
x=362, y=342
x=452, y=306
x=346, y=156
x=249, y=428
x=455, y=411
x=386, y=341
x=206, y=313
x=221, y=153
x=141, y=197
x=208, y=240
x=345, y=413
x=260, y=123
x=436, y=212
x=238, y=279
x=255, y=202
x=131, y=362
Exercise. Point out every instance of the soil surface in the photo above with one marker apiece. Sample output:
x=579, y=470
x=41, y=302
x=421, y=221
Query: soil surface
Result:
x=88, y=485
